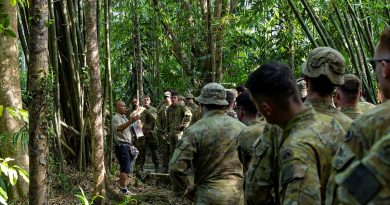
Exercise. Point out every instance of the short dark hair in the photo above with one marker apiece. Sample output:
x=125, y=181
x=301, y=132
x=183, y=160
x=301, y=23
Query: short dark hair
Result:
x=145, y=96
x=229, y=97
x=351, y=88
x=241, y=88
x=244, y=101
x=174, y=93
x=321, y=85
x=134, y=97
x=213, y=106
x=275, y=81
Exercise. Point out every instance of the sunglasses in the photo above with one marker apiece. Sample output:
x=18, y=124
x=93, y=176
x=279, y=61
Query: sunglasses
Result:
x=373, y=62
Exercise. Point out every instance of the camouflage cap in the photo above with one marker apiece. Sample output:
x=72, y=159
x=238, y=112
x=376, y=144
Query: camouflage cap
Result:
x=189, y=96
x=325, y=61
x=213, y=93
x=181, y=97
x=167, y=94
x=301, y=84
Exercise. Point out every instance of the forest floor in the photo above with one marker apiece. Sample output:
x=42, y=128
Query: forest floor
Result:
x=146, y=189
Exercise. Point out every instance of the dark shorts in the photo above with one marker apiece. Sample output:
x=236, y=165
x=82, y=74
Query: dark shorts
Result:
x=126, y=157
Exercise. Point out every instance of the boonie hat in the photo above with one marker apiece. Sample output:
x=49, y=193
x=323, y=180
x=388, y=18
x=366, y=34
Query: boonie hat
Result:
x=212, y=93
x=325, y=61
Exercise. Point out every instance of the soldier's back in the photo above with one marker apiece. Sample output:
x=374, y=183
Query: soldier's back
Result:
x=310, y=142
x=217, y=169
x=326, y=108
x=246, y=139
x=368, y=129
x=352, y=112
x=365, y=106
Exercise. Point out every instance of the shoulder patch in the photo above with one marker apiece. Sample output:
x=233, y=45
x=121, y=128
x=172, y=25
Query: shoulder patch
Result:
x=362, y=184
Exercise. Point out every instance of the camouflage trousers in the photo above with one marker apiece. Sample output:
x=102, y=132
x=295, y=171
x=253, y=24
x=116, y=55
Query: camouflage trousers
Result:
x=173, y=139
x=147, y=141
x=164, y=151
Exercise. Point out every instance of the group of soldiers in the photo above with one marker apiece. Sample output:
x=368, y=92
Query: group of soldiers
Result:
x=283, y=141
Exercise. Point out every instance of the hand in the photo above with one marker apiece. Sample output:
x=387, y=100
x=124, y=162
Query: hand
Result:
x=180, y=127
x=135, y=118
x=190, y=192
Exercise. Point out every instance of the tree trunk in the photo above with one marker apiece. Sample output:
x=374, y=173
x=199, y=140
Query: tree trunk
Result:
x=138, y=58
x=10, y=96
x=37, y=73
x=95, y=99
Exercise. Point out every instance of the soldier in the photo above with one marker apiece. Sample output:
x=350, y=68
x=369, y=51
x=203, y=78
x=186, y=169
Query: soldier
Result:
x=247, y=114
x=135, y=108
x=195, y=110
x=369, y=127
x=323, y=71
x=162, y=123
x=124, y=150
x=178, y=118
x=348, y=96
x=231, y=99
x=309, y=139
x=148, y=119
x=208, y=149
x=367, y=181
x=365, y=106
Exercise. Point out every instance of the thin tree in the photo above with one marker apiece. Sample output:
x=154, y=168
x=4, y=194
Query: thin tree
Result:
x=10, y=94
x=96, y=99
x=37, y=88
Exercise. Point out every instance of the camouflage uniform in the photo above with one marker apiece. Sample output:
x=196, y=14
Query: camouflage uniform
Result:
x=308, y=145
x=246, y=139
x=367, y=181
x=327, y=108
x=148, y=119
x=177, y=116
x=161, y=124
x=196, y=113
x=365, y=106
x=208, y=149
x=368, y=129
x=231, y=113
x=365, y=131
x=261, y=179
x=352, y=112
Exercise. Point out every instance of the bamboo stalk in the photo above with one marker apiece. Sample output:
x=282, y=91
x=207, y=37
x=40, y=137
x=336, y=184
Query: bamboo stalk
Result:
x=57, y=105
x=315, y=23
x=302, y=23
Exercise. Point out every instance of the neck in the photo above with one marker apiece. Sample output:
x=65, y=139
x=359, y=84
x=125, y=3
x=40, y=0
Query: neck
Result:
x=344, y=105
x=314, y=95
x=295, y=108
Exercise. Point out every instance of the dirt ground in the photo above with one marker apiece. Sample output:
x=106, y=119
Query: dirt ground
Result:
x=146, y=189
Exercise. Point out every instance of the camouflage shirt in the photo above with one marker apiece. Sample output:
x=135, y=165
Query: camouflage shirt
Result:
x=308, y=145
x=368, y=129
x=246, y=139
x=327, y=108
x=162, y=120
x=352, y=112
x=365, y=106
x=367, y=181
x=231, y=113
x=365, y=131
x=208, y=149
x=178, y=115
x=196, y=113
x=261, y=179
x=148, y=119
